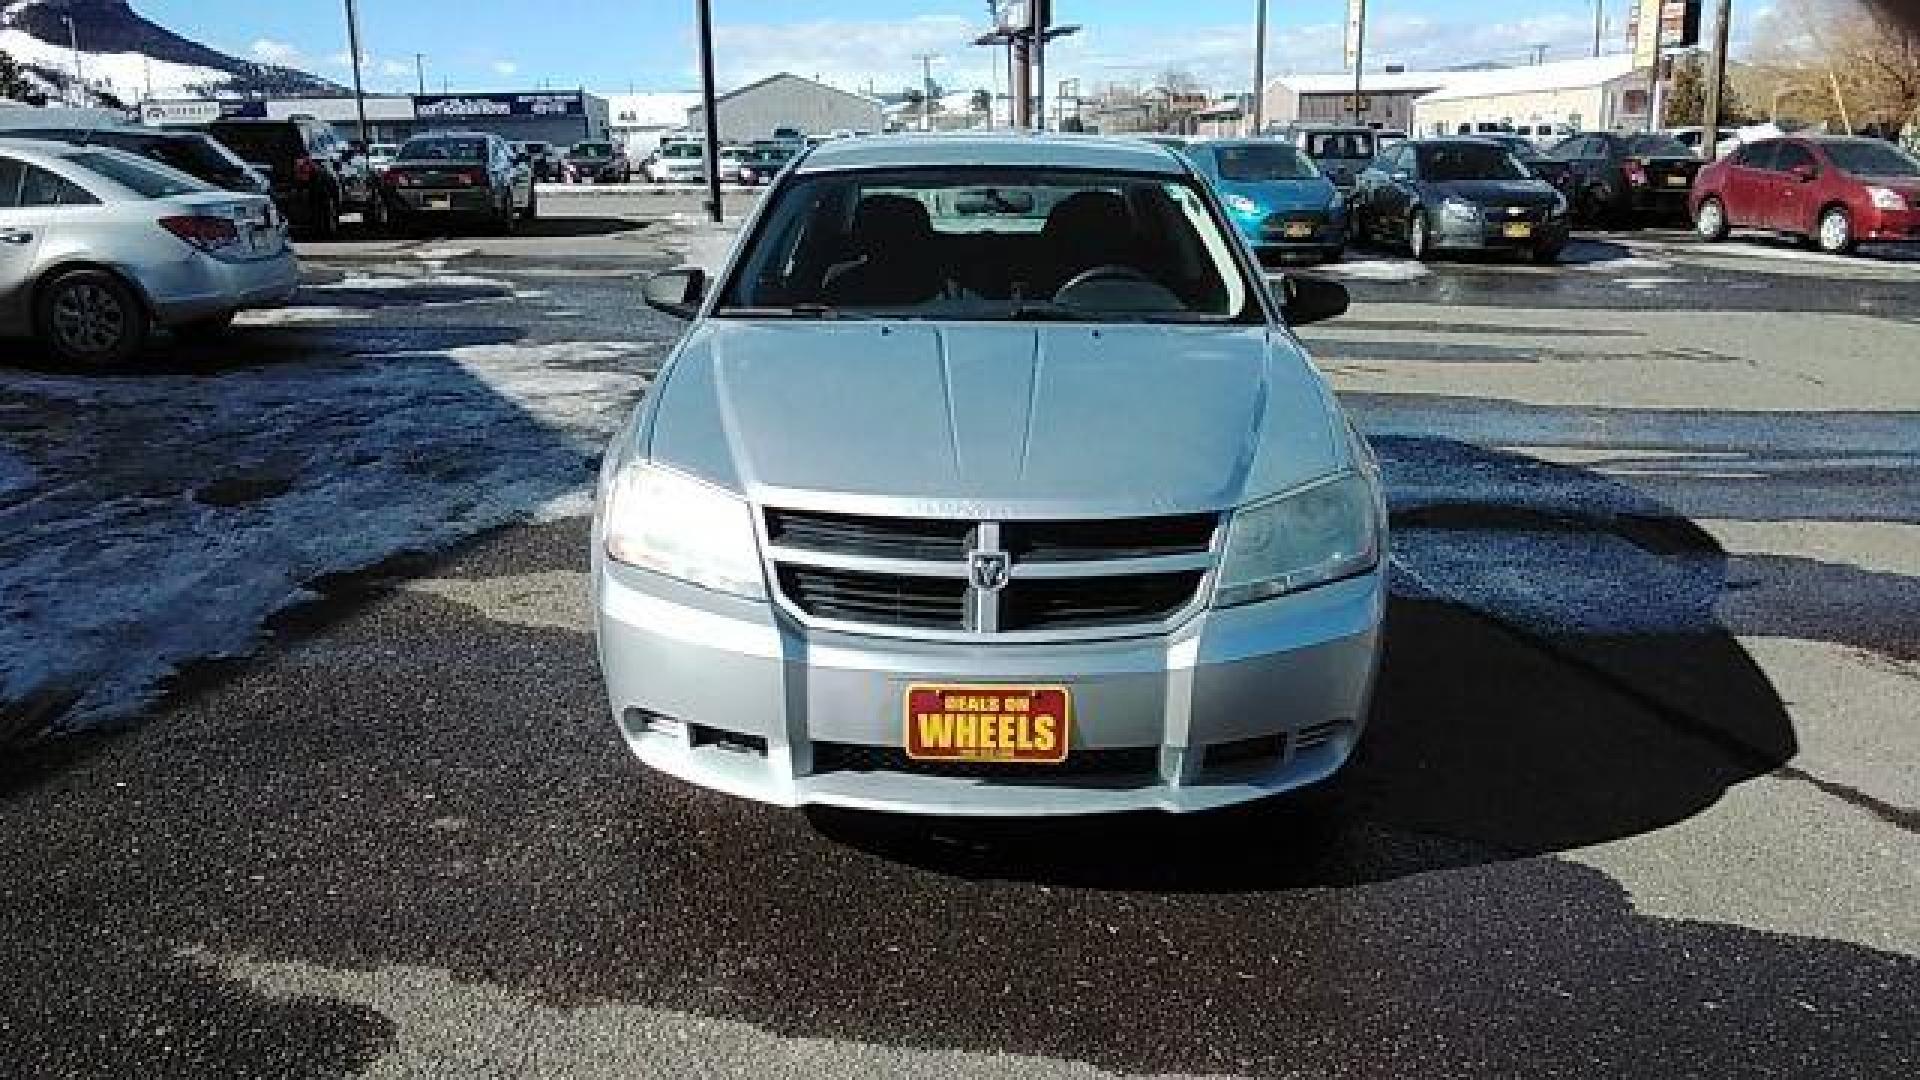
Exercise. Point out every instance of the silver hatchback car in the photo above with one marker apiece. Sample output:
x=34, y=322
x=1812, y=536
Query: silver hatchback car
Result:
x=989, y=479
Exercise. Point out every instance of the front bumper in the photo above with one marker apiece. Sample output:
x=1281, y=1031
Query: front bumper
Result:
x=730, y=695
x=1289, y=233
x=1490, y=234
x=1880, y=224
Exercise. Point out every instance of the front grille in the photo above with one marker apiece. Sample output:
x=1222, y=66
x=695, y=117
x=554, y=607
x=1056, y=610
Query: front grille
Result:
x=1074, y=603
x=1115, y=763
x=1120, y=538
x=876, y=537
x=879, y=599
x=1062, y=575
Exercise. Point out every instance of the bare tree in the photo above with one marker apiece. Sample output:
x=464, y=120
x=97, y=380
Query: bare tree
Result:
x=1846, y=63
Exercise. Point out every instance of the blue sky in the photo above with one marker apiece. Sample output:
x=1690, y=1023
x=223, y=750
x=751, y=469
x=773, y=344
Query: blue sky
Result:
x=647, y=44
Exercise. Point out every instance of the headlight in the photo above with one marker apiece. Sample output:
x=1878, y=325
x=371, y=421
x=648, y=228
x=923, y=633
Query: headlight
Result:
x=1320, y=533
x=660, y=520
x=1886, y=199
x=1240, y=204
x=1459, y=210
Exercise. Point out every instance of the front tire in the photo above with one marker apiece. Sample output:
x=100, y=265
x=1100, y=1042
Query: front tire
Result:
x=1711, y=222
x=1547, y=254
x=1834, y=234
x=91, y=319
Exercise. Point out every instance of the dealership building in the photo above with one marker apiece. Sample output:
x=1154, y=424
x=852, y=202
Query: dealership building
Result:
x=559, y=117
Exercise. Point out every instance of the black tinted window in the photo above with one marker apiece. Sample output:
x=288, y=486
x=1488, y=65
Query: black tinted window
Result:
x=42, y=188
x=1346, y=145
x=1254, y=162
x=443, y=149
x=1760, y=155
x=10, y=172
x=1793, y=156
x=268, y=144
x=1657, y=146
x=1468, y=161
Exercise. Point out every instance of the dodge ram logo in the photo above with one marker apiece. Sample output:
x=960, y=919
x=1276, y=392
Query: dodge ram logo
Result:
x=989, y=570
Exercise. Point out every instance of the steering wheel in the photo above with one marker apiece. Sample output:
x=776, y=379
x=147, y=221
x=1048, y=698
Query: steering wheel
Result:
x=1109, y=272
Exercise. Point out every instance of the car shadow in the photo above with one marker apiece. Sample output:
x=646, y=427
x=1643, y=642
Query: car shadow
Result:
x=1500, y=729
x=547, y=226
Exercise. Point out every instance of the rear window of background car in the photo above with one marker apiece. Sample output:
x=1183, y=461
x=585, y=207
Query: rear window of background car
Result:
x=150, y=181
x=266, y=144
x=444, y=150
x=1263, y=161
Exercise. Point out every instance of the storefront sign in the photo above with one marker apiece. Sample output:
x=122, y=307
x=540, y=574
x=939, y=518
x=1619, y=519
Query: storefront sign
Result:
x=159, y=113
x=481, y=106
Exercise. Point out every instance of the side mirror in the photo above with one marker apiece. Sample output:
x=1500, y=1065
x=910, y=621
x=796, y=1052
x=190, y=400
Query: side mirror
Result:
x=1804, y=173
x=1306, y=299
x=678, y=292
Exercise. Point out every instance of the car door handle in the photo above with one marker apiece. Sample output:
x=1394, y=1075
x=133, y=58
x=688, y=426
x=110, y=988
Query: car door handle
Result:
x=15, y=236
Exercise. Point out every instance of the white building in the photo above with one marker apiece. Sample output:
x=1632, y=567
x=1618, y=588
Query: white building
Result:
x=1598, y=92
x=758, y=109
x=1592, y=93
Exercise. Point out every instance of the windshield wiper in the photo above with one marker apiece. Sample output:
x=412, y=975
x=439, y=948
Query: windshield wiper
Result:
x=793, y=311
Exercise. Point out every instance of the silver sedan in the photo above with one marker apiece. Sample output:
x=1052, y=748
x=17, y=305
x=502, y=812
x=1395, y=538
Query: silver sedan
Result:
x=99, y=247
x=990, y=479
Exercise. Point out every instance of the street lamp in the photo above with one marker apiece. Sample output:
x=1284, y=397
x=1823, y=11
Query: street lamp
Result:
x=353, y=46
x=79, y=81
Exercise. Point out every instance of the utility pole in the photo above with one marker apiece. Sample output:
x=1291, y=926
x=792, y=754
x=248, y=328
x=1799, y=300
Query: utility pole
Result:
x=1716, y=74
x=353, y=46
x=1357, y=31
x=704, y=9
x=1022, y=79
x=1599, y=19
x=1259, y=111
x=420, y=71
x=926, y=89
x=1042, y=20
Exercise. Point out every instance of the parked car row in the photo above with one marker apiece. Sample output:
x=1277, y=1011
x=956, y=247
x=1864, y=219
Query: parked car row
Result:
x=684, y=161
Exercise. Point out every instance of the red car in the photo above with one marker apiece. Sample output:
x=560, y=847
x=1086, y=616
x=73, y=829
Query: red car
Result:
x=1835, y=191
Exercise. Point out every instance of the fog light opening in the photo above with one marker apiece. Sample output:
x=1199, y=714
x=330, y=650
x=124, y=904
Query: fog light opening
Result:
x=648, y=722
x=732, y=741
x=1259, y=750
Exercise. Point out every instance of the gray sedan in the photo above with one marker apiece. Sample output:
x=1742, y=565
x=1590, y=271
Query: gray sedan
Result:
x=98, y=247
x=1460, y=194
x=989, y=479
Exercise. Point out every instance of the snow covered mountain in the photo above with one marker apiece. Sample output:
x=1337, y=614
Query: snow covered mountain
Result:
x=124, y=57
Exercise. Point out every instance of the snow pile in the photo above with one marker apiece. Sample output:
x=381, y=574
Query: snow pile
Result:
x=127, y=75
x=146, y=522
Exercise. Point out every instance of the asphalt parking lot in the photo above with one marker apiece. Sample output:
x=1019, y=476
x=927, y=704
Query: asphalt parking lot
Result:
x=337, y=794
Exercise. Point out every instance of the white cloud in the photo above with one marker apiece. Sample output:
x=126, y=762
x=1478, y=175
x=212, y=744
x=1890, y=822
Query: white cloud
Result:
x=505, y=68
x=393, y=69
x=269, y=51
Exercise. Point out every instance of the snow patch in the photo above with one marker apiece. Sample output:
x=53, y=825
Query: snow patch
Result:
x=289, y=316
x=119, y=564
x=1378, y=270
x=125, y=74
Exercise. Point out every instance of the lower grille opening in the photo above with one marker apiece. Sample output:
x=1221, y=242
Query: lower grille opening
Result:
x=700, y=735
x=648, y=722
x=1260, y=750
x=1138, y=763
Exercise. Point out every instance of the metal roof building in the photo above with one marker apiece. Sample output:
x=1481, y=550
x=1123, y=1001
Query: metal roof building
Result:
x=788, y=101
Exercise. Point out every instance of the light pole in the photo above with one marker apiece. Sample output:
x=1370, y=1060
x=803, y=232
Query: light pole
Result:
x=420, y=71
x=926, y=88
x=353, y=46
x=1259, y=114
x=1357, y=37
x=1599, y=18
x=704, y=11
x=79, y=80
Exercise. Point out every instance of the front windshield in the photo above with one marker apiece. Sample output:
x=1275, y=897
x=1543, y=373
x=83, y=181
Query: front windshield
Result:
x=1657, y=146
x=1872, y=159
x=1448, y=162
x=444, y=150
x=992, y=244
x=1255, y=162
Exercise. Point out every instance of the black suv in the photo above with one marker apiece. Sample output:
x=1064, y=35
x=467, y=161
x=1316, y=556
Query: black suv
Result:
x=190, y=152
x=315, y=177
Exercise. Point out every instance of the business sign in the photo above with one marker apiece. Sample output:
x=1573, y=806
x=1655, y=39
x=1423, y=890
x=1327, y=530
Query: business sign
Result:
x=483, y=106
x=197, y=111
x=1013, y=16
x=1644, y=26
x=1678, y=22
x=1356, y=28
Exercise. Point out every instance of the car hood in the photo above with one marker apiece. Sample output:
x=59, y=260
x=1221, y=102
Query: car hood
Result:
x=1488, y=192
x=983, y=419
x=1283, y=194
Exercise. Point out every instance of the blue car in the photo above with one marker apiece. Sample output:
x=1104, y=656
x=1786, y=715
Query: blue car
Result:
x=1277, y=197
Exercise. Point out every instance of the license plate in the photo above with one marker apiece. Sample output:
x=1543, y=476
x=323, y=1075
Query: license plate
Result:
x=1024, y=724
x=1299, y=229
x=1517, y=230
x=1676, y=181
x=439, y=202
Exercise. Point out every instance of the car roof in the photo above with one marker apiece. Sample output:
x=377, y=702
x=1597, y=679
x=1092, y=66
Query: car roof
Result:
x=1004, y=150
